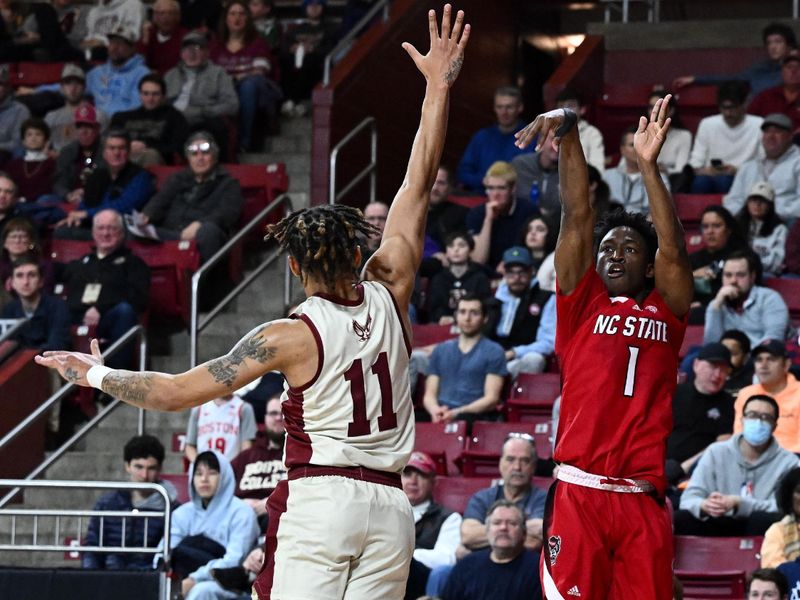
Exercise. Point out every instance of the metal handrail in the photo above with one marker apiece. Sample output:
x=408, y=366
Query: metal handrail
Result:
x=13, y=329
x=351, y=35
x=196, y=325
x=166, y=514
x=370, y=169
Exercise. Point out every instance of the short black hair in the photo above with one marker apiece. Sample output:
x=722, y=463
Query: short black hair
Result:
x=781, y=29
x=454, y=235
x=763, y=398
x=119, y=134
x=735, y=91
x=144, y=446
x=154, y=78
x=630, y=130
x=753, y=262
x=772, y=575
x=35, y=123
x=569, y=94
x=738, y=336
x=622, y=218
x=785, y=492
x=29, y=258
x=472, y=297
x=209, y=459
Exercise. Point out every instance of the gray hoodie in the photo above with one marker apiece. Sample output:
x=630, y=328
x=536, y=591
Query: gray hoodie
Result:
x=723, y=469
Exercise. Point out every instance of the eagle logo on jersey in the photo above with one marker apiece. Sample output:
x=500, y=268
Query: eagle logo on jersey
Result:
x=363, y=331
x=554, y=547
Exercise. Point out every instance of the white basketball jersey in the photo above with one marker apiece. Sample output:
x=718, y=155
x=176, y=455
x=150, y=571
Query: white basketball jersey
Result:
x=218, y=427
x=357, y=409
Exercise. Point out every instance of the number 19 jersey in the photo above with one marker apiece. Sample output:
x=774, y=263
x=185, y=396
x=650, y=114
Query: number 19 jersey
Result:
x=357, y=410
x=619, y=363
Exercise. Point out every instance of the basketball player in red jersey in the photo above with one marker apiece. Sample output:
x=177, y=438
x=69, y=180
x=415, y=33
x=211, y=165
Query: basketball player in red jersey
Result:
x=623, y=293
x=340, y=526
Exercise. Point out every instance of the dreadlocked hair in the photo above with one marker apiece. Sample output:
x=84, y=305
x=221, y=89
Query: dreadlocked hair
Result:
x=636, y=221
x=323, y=239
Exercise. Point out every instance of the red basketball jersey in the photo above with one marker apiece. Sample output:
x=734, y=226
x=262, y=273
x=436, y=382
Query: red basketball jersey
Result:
x=619, y=363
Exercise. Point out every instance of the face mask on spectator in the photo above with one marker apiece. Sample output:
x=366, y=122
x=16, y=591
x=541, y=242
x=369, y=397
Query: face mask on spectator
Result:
x=756, y=432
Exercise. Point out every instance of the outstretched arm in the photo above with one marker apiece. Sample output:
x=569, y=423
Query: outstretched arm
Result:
x=398, y=257
x=672, y=269
x=574, y=247
x=279, y=345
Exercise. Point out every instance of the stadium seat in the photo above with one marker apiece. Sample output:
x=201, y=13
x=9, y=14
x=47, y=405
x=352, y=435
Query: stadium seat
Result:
x=425, y=335
x=467, y=201
x=715, y=567
x=31, y=74
x=534, y=394
x=693, y=238
x=454, y=492
x=789, y=289
x=181, y=483
x=693, y=337
x=444, y=442
x=542, y=427
x=484, y=446
x=690, y=207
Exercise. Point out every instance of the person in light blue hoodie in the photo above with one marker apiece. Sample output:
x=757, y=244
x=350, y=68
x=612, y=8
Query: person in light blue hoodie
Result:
x=115, y=84
x=215, y=513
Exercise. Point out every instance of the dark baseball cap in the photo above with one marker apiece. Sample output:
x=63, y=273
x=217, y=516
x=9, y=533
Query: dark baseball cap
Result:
x=774, y=347
x=715, y=352
x=517, y=255
x=195, y=38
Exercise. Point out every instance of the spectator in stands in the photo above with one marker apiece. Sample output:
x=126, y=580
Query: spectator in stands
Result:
x=144, y=457
x=791, y=260
x=742, y=372
x=12, y=115
x=118, y=184
x=675, y=152
x=34, y=171
x=625, y=181
x=778, y=39
x=721, y=237
x=539, y=237
x=202, y=91
x=9, y=200
x=459, y=278
x=702, y=411
x=494, y=143
x=537, y=178
x=62, y=120
x=782, y=98
x=303, y=56
x=765, y=231
x=437, y=529
x=247, y=59
x=19, y=239
x=108, y=17
x=375, y=213
x=157, y=129
x=160, y=44
x=72, y=17
x=507, y=570
x=764, y=584
x=200, y=14
x=782, y=539
x=740, y=304
x=591, y=139
x=498, y=223
x=266, y=23
x=48, y=322
x=774, y=380
x=216, y=530
x=465, y=375
x=517, y=466
x=732, y=490
x=109, y=287
x=725, y=141
x=114, y=85
x=79, y=159
x=781, y=164
x=201, y=203
x=259, y=468
x=525, y=322
x=225, y=424
x=444, y=217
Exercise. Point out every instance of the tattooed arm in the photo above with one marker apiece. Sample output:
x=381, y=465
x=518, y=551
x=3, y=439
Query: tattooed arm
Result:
x=280, y=345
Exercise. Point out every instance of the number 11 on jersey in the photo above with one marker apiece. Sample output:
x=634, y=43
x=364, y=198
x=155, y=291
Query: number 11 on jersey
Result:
x=360, y=424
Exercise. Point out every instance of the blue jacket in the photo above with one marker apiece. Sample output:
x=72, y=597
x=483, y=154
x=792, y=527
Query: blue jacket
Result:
x=48, y=327
x=227, y=520
x=116, y=88
x=486, y=146
x=134, y=530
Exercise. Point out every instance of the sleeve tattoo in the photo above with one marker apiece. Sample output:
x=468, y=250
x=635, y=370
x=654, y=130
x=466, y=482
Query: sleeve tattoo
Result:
x=225, y=368
x=132, y=388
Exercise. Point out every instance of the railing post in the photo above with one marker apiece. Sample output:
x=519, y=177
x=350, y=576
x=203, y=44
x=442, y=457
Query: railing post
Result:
x=142, y=366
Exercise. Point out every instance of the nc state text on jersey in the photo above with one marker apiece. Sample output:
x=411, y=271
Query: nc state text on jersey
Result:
x=639, y=327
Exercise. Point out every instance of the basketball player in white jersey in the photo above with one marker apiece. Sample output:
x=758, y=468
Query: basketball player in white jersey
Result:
x=340, y=527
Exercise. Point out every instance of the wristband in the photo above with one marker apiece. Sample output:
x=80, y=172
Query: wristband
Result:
x=570, y=119
x=96, y=374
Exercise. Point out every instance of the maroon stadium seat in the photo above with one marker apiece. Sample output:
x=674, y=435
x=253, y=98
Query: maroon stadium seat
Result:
x=693, y=337
x=467, y=201
x=484, y=446
x=444, y=442
x=181, y=483
x=690, y=207
x=715, y=567
x=534, y=393
x=454, y=492
x=32, y=74
x=424, y=335
x=789, y=289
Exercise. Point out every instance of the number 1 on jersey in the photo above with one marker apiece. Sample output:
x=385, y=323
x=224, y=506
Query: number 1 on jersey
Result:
x=360, y=424
x=630, y=376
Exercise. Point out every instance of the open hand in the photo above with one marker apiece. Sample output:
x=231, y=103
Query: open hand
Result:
x=72, y=366
x=541, y=126
x=443, y=61
x=650, y=137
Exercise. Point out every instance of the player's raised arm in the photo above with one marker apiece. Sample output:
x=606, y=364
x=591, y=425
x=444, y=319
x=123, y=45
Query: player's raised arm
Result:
x=574, y=247
x=266, y=348
x=673, y=273
x=398, y=257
